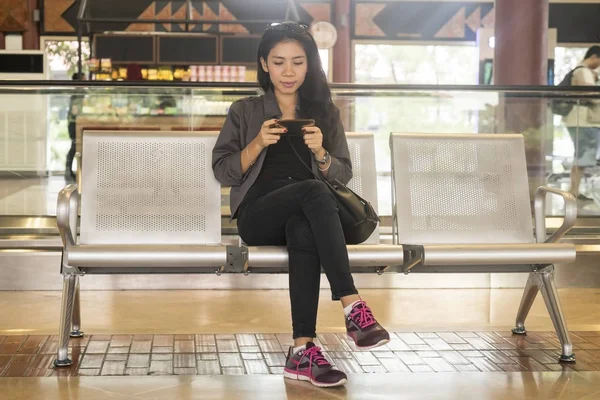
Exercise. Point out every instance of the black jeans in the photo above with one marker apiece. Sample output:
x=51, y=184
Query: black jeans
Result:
x=71, y=153
x=303, y=216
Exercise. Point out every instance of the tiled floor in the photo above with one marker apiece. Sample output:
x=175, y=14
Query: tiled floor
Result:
x=240, y=354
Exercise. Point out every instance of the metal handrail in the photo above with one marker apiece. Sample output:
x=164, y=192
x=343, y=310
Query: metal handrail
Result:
x=540, y=217
x=548, y=90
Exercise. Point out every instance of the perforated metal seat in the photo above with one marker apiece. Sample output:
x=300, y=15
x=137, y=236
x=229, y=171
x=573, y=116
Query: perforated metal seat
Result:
x=149, y=188
x=364, y=173
x=462, y=205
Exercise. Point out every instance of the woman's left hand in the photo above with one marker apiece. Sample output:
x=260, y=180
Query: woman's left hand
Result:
x=313, y=138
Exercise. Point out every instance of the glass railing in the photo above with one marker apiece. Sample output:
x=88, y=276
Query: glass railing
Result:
x=550, y=140
x=36, y=119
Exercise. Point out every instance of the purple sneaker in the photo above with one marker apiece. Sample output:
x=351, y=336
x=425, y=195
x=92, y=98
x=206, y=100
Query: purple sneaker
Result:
x=363, y=328
x=310, y=365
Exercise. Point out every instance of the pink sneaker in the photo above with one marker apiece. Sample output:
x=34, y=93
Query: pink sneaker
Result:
x=363, y=328
x=310, y=365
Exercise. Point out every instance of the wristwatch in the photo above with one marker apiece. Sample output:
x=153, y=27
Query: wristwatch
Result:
x=325, y=159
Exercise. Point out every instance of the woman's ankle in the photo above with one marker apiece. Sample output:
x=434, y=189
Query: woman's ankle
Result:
x=347, y=300
x=301, y=341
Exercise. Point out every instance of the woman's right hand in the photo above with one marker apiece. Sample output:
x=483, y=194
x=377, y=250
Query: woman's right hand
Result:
x=269, y=134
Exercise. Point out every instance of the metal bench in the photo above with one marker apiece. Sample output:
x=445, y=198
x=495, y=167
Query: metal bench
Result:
x=152, y=205
x=462, y=204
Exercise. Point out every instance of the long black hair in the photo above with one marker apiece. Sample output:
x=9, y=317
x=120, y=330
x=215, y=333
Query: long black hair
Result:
x=592, y=51
x=314, y=94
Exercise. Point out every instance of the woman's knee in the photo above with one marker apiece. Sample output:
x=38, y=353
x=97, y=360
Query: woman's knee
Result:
x=317, y=192
x=315, y=186
x=299, y=233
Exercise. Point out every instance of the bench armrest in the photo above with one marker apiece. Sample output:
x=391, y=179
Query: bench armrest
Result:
x=540, y=214
x=67, y=208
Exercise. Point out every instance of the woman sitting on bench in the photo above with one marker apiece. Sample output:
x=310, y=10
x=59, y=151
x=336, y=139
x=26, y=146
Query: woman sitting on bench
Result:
x=277, y=200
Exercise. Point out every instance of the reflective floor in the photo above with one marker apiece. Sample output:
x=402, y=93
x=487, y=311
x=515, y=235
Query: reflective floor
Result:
x=267, y=311
x=429, y=386
x=29, y=196
x=229, y=344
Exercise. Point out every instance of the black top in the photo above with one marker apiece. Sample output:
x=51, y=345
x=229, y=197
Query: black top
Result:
x=281, y=162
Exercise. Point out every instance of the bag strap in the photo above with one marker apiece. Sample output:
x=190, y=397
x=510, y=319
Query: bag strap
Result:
x=302, y=161
x=369, y=208
x=572, y=72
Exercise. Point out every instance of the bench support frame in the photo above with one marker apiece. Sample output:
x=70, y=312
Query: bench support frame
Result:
x=70, y=321
x=543, y=281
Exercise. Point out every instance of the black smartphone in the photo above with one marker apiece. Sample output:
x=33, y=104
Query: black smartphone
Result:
x=294, y=126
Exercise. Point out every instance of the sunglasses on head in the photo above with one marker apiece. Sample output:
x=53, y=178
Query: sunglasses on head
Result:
x=288, y=27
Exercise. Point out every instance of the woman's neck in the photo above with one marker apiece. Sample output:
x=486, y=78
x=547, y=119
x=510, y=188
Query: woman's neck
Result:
x=287, y=102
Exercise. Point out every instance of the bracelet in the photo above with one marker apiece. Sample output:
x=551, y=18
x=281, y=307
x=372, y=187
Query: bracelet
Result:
x=249, y=158
x=325, y=159
x=325, y=169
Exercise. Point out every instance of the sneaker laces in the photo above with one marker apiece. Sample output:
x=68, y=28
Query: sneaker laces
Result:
x=362, y=315
x=314, y=355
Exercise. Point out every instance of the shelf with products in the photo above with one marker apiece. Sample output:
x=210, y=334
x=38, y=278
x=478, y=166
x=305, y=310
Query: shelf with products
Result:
x=107, y=70
x=170, y=56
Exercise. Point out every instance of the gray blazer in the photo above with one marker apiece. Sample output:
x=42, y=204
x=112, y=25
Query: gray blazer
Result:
x=242, y=125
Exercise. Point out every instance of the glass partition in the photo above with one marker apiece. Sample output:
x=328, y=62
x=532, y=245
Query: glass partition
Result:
x=35, y=120
x=550, y=144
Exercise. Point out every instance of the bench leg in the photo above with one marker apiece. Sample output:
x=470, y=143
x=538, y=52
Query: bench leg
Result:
x=550, y=295
x=531, y=290
x=66, y=316
x=543, y=281
x=76, y=323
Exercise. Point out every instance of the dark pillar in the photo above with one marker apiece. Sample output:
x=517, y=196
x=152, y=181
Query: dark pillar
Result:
x=31, y=37
x=341, y=50
x=521, y=58
x=521, y=54
x=2, y=42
